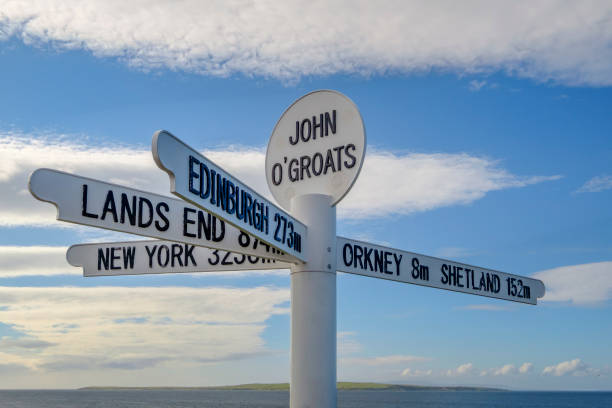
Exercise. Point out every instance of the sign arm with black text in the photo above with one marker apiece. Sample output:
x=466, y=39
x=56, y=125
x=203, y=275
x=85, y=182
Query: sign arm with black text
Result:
x=314, y=156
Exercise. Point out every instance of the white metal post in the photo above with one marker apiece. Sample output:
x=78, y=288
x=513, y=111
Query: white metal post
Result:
x=313, y=307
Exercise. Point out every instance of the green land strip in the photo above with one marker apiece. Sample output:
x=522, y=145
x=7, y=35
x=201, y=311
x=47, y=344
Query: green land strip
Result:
x=356, y=386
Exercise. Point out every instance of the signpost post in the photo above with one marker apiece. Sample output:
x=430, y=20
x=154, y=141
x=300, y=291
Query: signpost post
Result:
x=314, y=156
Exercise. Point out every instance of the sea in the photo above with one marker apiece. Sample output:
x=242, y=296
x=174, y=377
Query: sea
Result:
x=278, y=399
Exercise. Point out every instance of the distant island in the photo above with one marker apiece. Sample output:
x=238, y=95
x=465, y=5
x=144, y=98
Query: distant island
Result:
x=351, y=386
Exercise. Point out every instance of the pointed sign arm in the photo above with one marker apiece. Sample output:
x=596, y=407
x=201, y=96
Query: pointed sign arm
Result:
x=156, y=256
x=377, y=261
x=86, y=201
x=201, y=182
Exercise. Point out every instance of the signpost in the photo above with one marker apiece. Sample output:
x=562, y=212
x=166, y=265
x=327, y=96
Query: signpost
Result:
x=153, y=256
x=314, y=156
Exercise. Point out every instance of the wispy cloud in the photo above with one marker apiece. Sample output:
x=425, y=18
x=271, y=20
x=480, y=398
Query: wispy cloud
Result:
x=476, y=85
x=542, y=40
x=410, y=372
x=579, y=284
x=428, y=180
x=133, y=328
x=597, y=184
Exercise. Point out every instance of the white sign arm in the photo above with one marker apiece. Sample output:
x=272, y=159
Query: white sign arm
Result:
x=155, y=256
x=198, y=180
x=85, y=201
x=376, y=261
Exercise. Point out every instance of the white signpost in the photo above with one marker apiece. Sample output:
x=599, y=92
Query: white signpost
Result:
x=153, y=256
x=314, y=156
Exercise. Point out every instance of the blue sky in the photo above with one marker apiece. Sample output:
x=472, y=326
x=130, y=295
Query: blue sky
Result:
x=492, y=139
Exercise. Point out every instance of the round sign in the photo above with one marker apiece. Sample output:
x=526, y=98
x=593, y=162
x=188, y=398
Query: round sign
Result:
x=317, y=147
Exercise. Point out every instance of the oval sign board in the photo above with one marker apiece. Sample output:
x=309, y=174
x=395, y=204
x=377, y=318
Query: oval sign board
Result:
x=317, y=147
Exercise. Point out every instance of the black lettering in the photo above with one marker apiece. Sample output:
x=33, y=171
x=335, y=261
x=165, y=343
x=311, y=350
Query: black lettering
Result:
x=125, y=207
x=379, y=261
x=177, y=252
x=204, y=224
x=353, y=159
x=166, y=256
x=187, y=221
x=114, y=257
x=304, y=165
x=444, y=269
x=387, y=263
x=103, y=258
x=109, y=206
x=225, y=261
x=297, y=134
x=277, y=174
x=128, y=257
x=316, y=125
x=459, y=276
x=358, y=252
x=302, y=136
x=317, y=159
x=338, y=150
x=189, y=255
x=329, y=162
x=367, y=253
x=218, y=233
x=398, y=260
x=165, y=224
x=330, y=123
x=150, y=253
x=141, y=222
x=345, y=254
x=84, y=212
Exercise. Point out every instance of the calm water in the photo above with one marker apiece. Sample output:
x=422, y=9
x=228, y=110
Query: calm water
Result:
x=269, y=399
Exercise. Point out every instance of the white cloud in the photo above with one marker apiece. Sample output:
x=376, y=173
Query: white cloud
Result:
x=596, y=184
x=567, y=42
x=383, y=360
x=69, y=328
x=34, y=260
x=476, y=85
x=507, y=369
x=575, y=367
x=579, y=284
x=463, y=369
x=428, y=180
x=409, y=372
x=525, y=368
